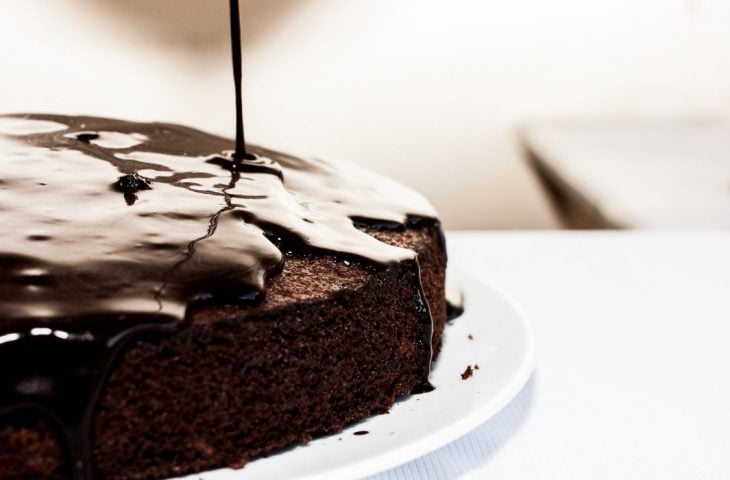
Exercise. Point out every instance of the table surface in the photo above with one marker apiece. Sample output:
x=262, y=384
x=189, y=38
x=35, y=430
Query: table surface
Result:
x=639, y=174
x=633, y=368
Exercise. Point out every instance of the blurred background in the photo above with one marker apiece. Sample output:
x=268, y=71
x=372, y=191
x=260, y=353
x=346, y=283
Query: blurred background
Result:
x=519, y=114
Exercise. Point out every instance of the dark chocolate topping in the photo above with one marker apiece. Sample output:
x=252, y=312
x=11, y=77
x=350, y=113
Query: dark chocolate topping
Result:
x=240, y=152
x=112, y=229
x=198, y=215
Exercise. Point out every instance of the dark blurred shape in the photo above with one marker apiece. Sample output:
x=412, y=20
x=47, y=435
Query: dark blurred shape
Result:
x=661, y=174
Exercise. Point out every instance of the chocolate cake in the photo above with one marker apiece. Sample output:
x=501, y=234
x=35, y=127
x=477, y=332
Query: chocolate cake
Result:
x=168, y=308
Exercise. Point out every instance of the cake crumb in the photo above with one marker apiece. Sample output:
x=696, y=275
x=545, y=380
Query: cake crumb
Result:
x=476, y=366
x=361, y=432
x=467, y=373
x=238, y=464
x=470, y=336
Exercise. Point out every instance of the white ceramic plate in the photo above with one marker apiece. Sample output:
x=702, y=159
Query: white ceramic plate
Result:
x=502, y=345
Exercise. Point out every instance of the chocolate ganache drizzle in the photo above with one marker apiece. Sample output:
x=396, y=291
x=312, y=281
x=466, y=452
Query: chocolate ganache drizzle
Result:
x=113, y=231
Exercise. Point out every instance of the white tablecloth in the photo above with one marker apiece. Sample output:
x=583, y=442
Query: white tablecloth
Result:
x=633, y=369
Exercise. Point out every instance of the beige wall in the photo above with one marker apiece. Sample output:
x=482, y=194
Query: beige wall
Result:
x=431, y=92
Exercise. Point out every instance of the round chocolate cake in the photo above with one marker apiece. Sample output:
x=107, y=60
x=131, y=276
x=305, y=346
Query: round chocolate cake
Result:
x=167, y=308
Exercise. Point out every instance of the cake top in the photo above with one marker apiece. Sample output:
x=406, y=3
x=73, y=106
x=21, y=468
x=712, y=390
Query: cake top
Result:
x=105, y=218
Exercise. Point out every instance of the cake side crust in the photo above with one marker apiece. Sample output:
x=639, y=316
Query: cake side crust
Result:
x=240, y=384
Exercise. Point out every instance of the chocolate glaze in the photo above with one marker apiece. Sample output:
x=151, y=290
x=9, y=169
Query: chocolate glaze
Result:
x=114, y=230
